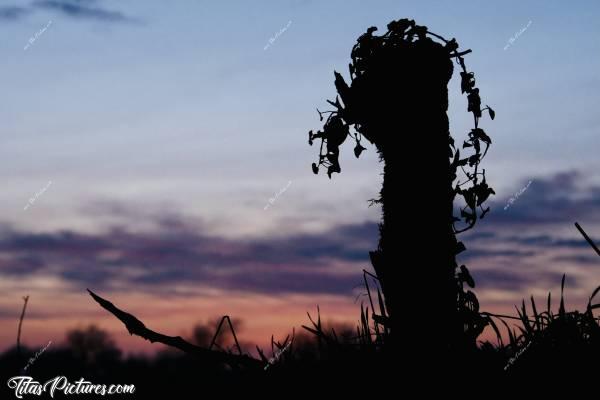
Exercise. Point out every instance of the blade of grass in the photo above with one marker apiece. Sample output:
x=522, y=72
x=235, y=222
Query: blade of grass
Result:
x=538, y=325
x=496, y=330
x=561, y=310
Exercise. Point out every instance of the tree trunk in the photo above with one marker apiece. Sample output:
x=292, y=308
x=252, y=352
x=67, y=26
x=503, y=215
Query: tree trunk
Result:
x=416, y=256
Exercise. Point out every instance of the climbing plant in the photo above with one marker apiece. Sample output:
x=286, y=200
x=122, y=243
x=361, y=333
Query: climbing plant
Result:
x=343, y=121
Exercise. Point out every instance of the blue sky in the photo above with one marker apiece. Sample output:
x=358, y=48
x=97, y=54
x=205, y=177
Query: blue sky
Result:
x=170, y=118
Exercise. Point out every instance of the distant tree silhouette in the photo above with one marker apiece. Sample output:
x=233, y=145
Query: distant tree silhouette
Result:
x=201, y=335
x=397, y=100
x=91, y=344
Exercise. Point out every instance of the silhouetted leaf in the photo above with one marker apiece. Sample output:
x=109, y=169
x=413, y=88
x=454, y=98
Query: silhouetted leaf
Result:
x=483, y=191
x=399, y=26
x=480, y=134
x=474, y=159
x=466, y=275
x=492, y=112
x=460, y=247
x=471, y=301
x=468, y=216
x=358, y=149
x=315, y=169
x=342, y=89
x=467, y=82
x=474, y=103
x=451, y=45
x=420, y=31
x=454, y=164
x=333, y=168
x=484, y=212
x=469, y=196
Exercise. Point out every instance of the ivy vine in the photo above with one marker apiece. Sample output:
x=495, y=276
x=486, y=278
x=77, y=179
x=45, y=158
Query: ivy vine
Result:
x=472, y=185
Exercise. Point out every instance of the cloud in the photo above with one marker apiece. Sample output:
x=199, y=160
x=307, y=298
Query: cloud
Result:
x=563, y=197
x=515, y=253
x=499, y=279
x=12, y=13
x=179, y=253
x=478, y=252
x=83, y=9
x=579, y=259
x=520, y=282
x=21, y=265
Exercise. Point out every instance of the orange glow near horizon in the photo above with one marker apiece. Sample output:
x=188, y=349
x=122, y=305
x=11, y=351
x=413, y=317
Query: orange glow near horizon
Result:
x=48, y=317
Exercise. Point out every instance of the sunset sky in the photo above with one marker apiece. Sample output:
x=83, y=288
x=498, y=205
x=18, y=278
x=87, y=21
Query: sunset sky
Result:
x=150, y=136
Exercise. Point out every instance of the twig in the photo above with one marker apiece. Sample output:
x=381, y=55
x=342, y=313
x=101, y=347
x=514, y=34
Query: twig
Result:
x=462, y=53
x=587, y=238
x=25, y=299
x=438, y=36
x=503, y=316
x=137, y=327
x=368, y=290
x=226, y=317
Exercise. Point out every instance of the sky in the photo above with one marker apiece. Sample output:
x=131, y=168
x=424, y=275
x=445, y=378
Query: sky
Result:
x=142, y=141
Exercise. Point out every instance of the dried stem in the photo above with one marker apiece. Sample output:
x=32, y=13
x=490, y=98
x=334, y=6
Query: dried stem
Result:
x=137, y=327
x=25, y=299
x=586, y=237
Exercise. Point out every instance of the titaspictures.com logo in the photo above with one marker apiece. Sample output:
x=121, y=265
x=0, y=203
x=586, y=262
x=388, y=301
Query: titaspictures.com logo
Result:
x=26, y=385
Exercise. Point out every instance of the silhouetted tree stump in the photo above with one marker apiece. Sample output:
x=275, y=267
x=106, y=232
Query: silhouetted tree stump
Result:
x=398, y=100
